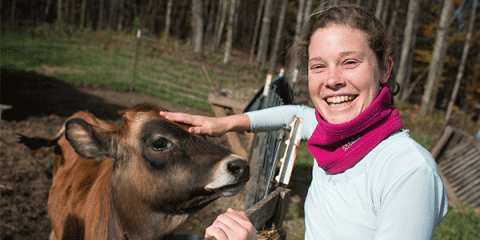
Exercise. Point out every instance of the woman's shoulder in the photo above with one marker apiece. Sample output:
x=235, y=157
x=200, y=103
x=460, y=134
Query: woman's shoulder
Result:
x=399, y=153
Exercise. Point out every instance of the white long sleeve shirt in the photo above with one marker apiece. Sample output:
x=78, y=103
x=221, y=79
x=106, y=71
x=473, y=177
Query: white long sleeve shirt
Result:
x=394, y=192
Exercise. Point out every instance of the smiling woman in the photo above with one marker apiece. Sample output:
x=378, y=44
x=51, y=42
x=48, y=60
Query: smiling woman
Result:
x=371, y=180
x=343, y=73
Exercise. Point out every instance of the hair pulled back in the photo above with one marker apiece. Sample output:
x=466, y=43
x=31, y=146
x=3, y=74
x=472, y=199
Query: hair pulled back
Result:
x=351, y=15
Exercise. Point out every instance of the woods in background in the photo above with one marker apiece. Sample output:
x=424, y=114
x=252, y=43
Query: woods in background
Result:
x=436, y=42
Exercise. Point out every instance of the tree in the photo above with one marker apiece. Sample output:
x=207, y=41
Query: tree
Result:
x=393, y=20
x=210, y=22
x=221, y=24
x=278, y=35
x=59, y=13
x=436, y=66
x=296, y=38
x=82, y=13
x=408, y=32
x=121, y=15
x=385, y=12
x=112, y=17
x=308, y=12
x=463, y=60
x=264, y=34
x=197, y=26
x=168, y=17
x=100, y=15
x=378, y=10
x=231, y=28
x=256, y=29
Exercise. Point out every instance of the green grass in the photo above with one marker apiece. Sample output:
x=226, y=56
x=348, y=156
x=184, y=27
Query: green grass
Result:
x=166, y=70
x=463, y=224
x=169, y=71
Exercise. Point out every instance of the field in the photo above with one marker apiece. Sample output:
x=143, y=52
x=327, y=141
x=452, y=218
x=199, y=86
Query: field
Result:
x=47, y=75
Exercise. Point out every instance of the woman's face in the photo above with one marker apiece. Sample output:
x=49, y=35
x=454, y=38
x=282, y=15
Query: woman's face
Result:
x=343, y=72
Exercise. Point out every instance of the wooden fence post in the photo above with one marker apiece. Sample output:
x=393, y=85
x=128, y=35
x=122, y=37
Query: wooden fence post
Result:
x=132, y=85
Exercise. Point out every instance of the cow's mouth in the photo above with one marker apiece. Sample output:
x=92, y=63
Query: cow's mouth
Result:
x=227, y=191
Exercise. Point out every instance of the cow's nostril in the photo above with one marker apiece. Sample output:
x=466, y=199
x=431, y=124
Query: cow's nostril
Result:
x=236, y=167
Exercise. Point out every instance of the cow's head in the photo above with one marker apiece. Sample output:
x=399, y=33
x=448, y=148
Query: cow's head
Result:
x=159, y=162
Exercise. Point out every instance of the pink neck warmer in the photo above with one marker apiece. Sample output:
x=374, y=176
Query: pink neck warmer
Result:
x=338, y=147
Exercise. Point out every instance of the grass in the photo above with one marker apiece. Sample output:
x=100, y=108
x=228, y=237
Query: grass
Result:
x=168, y=70
x=459, y=224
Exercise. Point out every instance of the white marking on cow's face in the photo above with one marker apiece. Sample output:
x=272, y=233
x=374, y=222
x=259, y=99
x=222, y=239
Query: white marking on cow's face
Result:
x=230, y=176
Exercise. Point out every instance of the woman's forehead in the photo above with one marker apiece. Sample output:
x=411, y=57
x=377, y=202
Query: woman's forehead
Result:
x=339, y=39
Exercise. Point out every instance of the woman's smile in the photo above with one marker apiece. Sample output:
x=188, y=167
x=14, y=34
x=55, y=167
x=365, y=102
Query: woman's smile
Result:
x=340, y=101
x=344, y=76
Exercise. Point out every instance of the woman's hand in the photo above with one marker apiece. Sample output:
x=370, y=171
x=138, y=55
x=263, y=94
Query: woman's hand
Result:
x=232, y=225
x=201, y=125
x=210, y=126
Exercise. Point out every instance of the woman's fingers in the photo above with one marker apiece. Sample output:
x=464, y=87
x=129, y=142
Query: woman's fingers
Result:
x=179, y=117
x=201, y=125
x=232, y=225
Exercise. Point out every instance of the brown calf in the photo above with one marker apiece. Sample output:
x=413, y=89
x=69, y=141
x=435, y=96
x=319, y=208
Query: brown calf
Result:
x=139, y=181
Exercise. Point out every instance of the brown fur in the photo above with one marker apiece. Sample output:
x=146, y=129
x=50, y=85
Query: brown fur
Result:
x=127, y=188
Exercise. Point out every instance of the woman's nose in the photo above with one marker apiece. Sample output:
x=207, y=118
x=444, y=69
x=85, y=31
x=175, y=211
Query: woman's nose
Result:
x=334, y=80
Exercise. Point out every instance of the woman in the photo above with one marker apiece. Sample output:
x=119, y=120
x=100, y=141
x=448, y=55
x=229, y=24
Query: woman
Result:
x=370, y=180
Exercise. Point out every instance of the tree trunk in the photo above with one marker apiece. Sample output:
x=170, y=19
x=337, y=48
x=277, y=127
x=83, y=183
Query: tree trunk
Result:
x=59, y=13
x=264, y=34
x=47, y=8
x=180, y=20
x=298, y=27
x=436, y=66
x=14, y=10
x=100, y=15
x=112, y=21
x=234, y=4
x=256, y=29
x=408, y=32
x=393, y=20
x=72, y=13
x=308, y=12
x=278, y=35
x=463, y=60
x=197, y=26
x=155, y=15
x=210, y=22
x=299, y=24
x=82, y=13
x=408, y=69
x=379, y=8
x=168, y=17
x=221, y=25
x=385, y=12
x=121, y=15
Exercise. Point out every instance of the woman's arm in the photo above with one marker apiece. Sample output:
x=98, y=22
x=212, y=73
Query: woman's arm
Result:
x=211, y=126
x=412, y=207
x=269, y=119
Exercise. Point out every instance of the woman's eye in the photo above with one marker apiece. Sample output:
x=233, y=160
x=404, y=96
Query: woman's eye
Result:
x=317, y=66
x=161, y=144
x=350, y=62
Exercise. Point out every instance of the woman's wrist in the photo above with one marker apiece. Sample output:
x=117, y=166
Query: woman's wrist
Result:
x=237, y=123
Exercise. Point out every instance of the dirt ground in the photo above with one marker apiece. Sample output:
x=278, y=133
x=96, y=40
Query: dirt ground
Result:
x=40, y=106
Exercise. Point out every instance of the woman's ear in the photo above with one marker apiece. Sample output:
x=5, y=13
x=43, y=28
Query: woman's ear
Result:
x=387, y=70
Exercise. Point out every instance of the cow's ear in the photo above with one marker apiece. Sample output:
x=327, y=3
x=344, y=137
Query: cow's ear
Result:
x=89, y=141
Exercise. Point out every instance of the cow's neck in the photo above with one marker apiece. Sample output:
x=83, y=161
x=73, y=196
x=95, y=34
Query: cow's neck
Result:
x=132, y=219
x=115, y=230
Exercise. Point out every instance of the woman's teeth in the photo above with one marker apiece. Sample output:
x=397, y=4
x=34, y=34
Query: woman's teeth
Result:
x=339, y=100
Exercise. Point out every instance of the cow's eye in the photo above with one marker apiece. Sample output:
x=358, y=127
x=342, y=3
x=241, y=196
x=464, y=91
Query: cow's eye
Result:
x=161, y=144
